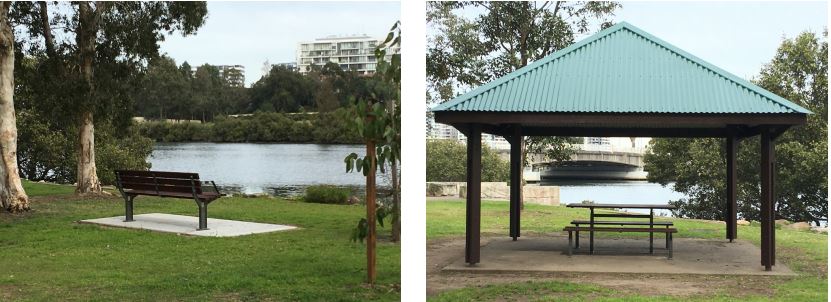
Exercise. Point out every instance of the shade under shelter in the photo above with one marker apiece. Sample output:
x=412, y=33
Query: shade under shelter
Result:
x=621, y=82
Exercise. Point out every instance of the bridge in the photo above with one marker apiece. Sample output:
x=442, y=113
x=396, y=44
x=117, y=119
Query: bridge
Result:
x=591, y=161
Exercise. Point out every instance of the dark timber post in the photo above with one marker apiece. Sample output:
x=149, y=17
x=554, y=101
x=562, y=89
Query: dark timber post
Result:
x=516, y=179
x=767, y=209
x=731, y=207
x=474, y=193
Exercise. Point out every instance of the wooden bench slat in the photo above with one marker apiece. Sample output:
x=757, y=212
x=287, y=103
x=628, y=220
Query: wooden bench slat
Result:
x=159, y=180
x=623, y=215
x=161, y=188
x=162, y=174
x=172, y=194
x=661, y=223
x=621, y=230
x=160, y=184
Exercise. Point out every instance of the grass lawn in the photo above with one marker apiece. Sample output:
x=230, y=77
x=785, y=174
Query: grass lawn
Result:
x=804, y=252
x=47, y=256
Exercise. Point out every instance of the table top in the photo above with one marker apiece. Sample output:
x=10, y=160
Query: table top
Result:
x=621, y=206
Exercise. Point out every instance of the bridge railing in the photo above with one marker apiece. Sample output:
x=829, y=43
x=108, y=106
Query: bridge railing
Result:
x=609, y=148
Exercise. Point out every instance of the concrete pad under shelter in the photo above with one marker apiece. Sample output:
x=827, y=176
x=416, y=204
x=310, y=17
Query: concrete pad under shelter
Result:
x=186, y=225
x=614, y=255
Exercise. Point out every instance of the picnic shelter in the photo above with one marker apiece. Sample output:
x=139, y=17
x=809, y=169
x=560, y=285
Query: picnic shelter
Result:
x=621, y=82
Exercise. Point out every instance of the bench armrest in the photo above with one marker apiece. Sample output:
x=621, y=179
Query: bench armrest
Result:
x=209, y=186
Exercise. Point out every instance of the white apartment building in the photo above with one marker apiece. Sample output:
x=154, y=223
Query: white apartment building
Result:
x=442, y=131
x=620, y=144
x=351, y=53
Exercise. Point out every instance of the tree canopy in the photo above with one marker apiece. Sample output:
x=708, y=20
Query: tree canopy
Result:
x=798, y=72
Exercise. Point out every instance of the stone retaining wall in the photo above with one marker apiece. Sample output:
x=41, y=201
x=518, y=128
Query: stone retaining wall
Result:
x=546, y=195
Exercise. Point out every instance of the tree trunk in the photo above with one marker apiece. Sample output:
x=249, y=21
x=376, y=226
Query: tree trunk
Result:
x=396, y=187
x=396, y=202
x=370, y=212
x=12, y=196
x=522, y=175
x=47, y=30
x=87, y=176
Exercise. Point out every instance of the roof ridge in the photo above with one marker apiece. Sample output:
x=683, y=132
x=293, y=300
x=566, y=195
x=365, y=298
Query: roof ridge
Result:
x=533, y=65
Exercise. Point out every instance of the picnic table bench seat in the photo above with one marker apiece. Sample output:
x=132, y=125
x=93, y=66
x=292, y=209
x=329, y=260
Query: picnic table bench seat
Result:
x=166, y=184
x=658, y=223
x=620, y=223
x=668, y=231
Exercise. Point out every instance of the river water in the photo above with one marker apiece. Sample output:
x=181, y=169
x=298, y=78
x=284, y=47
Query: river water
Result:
x=609, y=191
x=276, y=169
x=287, y=169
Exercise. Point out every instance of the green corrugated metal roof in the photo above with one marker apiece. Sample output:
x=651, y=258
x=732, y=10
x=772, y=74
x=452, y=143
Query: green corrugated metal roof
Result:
x=621, y=69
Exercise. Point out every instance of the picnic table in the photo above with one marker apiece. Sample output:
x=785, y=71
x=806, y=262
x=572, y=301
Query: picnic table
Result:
x=644, y=226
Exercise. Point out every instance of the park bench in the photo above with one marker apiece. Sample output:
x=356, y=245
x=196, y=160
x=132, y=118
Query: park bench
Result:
x=668, y=231
x=166, y=184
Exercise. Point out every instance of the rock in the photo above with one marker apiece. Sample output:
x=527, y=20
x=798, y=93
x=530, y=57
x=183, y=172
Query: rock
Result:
x=821, y=230
x=799, y=226
x=742, y=222
x=255, y=195
x=782, y=222
x=437, y=189
x=545, y=195
x=42, y=181
x=353, y=200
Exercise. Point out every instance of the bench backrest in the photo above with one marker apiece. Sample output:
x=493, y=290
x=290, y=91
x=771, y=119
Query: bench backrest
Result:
x=158, y=181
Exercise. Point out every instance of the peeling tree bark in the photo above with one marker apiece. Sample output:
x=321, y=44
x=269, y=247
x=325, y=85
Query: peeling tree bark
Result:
x=87, y=175
x=12, y=196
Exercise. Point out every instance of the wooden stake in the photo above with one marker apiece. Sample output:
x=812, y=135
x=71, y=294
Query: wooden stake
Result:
x=370, y=213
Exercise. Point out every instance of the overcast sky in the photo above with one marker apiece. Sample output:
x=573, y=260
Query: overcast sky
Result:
x=739, y=37
x=736, y=36
x=249, y=33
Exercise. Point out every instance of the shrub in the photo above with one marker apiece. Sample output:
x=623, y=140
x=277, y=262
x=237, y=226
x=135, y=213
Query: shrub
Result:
x=47, y=151
x=324, y=127
x=446, y=161
x=327, y=194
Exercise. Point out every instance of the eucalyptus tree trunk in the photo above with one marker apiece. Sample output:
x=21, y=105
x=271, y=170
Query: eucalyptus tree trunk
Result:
x=522, y=157
x=396, y=202
x=87, y=175
x=12, y=196
x=47, y=30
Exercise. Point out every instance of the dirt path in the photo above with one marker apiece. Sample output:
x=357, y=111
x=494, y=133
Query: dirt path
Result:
x=441, y=252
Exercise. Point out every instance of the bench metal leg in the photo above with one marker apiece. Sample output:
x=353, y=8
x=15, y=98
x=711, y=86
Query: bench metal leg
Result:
x=669, y=242
x=667, y=235
x=128, y=208
x=203, y=215
x=569, y=243
x=576, y=238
